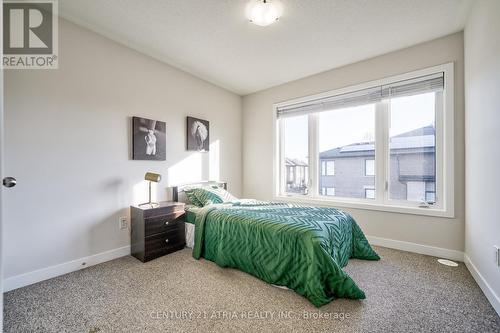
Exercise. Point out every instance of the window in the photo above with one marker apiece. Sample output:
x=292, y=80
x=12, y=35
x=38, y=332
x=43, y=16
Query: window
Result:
x=328, y=168
x=369, y=193
x=291, y=173
x=346, y=134
x=369, y=167
x=387, y=144
x=296, y=151
x=430, y=197
x=412, y=144
x=330, y=191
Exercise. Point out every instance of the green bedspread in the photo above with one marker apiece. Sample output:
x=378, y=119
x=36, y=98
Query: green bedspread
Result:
x=301, y=247
x=190, y=216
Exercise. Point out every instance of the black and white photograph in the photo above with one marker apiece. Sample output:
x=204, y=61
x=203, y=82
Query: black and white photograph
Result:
x=149, y=139
x=198, y=138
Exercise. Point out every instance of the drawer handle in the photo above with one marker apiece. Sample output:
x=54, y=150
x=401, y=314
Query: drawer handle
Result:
x=166, y=223
x=166, y=240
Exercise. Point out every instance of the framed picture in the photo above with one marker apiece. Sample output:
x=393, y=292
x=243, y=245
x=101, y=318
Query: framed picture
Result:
x=149, y=139
x=198, y=134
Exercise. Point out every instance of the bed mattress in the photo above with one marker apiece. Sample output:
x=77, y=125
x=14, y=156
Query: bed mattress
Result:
x=190, y=219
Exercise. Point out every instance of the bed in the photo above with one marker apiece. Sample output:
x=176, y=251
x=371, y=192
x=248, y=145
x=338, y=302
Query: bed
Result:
x=303, y=248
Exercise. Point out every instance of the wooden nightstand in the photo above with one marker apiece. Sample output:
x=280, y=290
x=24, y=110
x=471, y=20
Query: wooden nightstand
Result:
x=157, y=231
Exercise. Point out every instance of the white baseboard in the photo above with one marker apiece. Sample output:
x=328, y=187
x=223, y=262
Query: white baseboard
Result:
x=26, y=279
x=490, y=294
x=485, y=287
x=417, y=248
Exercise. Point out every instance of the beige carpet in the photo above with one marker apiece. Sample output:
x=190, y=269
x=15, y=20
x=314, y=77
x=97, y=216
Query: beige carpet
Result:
x=405, y=293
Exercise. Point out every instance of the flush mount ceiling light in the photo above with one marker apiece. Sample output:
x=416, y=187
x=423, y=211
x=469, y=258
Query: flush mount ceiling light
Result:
x=264, y=12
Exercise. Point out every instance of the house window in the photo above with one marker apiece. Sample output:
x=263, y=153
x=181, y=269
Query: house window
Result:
x=430, y=197
x=370, y=167
x=291, y=173
x=402, y=126
x=328, y=168
x=369, y=193
x=329, y=191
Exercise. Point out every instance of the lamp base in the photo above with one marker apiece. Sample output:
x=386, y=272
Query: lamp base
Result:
x=150, y=204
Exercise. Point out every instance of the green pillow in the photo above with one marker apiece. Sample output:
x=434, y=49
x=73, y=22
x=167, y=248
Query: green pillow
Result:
x=192, y=197
x=213, y=195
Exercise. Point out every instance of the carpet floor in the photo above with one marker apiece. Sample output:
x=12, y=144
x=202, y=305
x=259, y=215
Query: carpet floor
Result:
x=406, y=292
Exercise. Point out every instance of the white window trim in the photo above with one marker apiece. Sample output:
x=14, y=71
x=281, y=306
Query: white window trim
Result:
x=445, y=171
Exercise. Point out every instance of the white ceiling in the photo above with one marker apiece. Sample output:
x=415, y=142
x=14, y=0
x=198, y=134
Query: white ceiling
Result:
x=213, y=40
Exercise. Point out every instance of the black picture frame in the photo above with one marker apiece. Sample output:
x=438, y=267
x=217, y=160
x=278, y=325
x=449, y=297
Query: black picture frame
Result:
x=149, y=139
x=198, y=134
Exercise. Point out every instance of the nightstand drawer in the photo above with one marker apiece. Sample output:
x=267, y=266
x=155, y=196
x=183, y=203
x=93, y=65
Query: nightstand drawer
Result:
x=161, y=244
x=165, y=210
x=163, y=223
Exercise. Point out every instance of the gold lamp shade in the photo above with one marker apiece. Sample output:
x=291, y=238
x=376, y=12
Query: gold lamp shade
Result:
x=151, y=177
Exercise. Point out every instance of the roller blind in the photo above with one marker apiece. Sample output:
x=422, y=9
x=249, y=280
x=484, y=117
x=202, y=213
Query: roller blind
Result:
x=419, y=85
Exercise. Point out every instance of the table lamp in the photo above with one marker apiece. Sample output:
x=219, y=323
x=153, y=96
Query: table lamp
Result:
x=151, y=177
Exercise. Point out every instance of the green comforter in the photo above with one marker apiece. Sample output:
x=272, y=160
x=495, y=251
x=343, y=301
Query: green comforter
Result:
x=301, y=247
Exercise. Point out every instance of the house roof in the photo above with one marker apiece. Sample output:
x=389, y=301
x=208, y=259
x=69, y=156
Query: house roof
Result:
x=419, y=140
x=294, y=162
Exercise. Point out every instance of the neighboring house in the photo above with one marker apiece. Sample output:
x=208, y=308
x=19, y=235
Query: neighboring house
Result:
x=349, y=171
x=297, y=173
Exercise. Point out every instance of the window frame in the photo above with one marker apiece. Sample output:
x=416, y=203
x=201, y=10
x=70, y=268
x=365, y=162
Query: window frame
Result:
x=445, y=173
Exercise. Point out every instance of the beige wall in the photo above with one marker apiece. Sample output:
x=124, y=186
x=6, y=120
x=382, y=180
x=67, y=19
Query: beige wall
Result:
x=67, y=140
x=482, y=137
x=258, y=141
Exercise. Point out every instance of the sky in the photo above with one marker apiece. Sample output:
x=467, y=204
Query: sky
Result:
x=357, y=124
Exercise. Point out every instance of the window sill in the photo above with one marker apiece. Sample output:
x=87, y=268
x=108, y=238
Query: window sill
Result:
x=366, y=206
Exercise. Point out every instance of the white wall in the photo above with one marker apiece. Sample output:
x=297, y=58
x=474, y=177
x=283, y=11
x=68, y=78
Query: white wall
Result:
x=258, y=141
x=68, y=142
x=482, y=138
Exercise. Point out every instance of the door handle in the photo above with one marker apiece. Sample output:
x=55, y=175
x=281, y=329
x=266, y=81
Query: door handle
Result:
x=9, y=182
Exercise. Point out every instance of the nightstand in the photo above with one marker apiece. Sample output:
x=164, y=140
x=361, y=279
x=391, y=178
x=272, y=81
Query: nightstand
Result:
x=157, y=231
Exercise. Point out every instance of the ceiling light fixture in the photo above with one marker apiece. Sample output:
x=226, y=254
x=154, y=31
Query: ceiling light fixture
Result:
x=264, y=12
